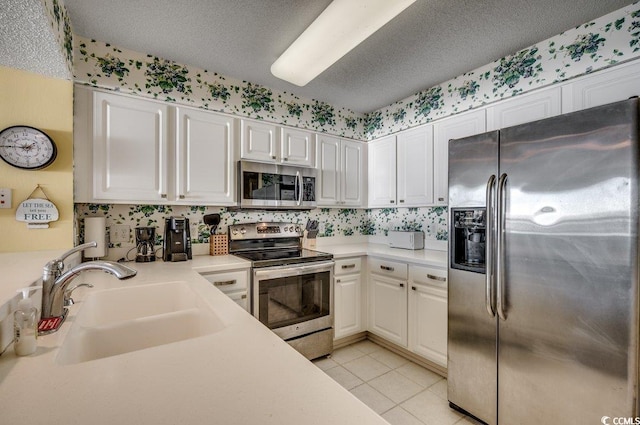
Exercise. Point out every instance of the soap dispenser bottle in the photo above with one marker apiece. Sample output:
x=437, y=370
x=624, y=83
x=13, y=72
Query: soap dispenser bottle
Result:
x=25, y=325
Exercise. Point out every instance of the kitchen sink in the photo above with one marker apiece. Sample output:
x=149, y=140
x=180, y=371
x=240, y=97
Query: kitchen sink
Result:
x=123, y=320
x=122, y=304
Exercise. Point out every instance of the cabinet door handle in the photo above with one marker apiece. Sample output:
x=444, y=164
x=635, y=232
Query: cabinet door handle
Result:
x=391, y=202
x=402, y=201
x=413, y=287
x=348, y=266
x=181, y=196
x=387, y=268
x=402, y=285
x=441, y=199
x=244, y=296
x=337, y=280
x=164, y=196
x=273, y=157
x=286, y=159
x=434, y=277
x=224, y=283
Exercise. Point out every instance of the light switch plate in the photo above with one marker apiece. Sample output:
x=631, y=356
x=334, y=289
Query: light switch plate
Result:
x=5, y=197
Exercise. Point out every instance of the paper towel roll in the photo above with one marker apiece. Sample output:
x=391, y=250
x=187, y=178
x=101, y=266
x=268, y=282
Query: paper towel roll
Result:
x=95, y=229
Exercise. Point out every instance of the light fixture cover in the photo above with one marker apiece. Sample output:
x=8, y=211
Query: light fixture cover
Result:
x=340, y=27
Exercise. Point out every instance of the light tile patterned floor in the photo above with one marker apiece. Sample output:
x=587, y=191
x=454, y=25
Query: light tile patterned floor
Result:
x=400, y=391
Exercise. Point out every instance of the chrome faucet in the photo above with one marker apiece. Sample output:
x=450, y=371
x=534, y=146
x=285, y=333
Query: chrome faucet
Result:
x=54, y=285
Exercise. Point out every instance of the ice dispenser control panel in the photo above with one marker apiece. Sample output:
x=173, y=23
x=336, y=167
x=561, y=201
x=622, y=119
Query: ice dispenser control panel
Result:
x=468, y=248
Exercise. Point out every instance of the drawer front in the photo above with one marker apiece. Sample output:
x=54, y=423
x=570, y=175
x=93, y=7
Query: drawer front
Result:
x=388, y=268
x=228, y=281
x=428, y=276
x=348, y=266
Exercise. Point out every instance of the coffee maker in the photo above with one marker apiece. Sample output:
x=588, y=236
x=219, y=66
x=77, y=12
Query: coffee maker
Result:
x=177, y=239
x=145, y=238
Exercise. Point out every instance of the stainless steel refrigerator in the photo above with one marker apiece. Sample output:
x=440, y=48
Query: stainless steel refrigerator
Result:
x=543, y=270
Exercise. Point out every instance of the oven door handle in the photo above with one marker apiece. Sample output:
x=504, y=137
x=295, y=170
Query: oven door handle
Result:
x=289, y=270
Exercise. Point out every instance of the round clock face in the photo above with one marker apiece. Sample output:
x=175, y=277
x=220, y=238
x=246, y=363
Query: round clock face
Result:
x=26, y=147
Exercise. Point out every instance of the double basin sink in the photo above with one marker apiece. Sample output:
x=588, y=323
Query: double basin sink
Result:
x=117, y=321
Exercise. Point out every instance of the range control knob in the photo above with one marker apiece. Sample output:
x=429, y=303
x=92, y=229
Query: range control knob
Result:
x=234, y=232
x=243, y=230
x=297, y=228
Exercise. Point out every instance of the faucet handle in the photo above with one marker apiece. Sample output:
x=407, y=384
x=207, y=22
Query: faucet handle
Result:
x=68, y=301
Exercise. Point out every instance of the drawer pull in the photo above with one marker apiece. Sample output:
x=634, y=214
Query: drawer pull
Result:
x=387, y=268
x=348, y=266
x=434, y=277
x=224, y=282
x=244, y=296
x=338, y=281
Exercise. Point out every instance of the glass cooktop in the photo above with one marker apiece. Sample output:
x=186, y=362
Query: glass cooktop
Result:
x=279, y=257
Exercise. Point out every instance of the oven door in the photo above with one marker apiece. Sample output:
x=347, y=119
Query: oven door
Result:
x=294, y=300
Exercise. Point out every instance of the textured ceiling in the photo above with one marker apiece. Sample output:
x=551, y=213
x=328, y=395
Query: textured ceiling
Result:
x=27, y=40
x=430, y=42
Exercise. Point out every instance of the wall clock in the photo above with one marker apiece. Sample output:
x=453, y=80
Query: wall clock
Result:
x=26, y=147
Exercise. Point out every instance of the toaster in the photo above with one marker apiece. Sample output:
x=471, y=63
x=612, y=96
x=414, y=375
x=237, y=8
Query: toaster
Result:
x=406, y=240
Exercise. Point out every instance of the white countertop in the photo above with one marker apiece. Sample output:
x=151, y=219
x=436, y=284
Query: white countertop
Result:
x=425, y=257
x=243, y=374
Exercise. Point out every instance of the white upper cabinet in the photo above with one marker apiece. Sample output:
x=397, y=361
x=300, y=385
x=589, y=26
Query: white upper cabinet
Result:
x=524, y=108
x=129, y=148
x=340, y=171
x=133, y=150
x=204, y=158
x=607, y=86
x=352, y=174
x=259, y=141
x=382, y=172
x=297, y=147
x=415, y=167
x=266, y=142
x=456, y=127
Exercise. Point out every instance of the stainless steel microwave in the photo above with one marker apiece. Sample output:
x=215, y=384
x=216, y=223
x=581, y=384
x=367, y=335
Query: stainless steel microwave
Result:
x=274, y=186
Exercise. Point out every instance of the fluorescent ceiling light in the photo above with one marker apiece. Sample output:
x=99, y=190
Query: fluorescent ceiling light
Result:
x=340, y=27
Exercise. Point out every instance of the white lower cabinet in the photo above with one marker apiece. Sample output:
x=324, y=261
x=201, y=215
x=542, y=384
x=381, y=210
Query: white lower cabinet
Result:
x=428, y=313
x=347, y=301
x=233, y=284
x=388, y=300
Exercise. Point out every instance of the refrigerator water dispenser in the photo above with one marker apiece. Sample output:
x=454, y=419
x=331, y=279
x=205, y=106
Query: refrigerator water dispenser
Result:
x=468, y=246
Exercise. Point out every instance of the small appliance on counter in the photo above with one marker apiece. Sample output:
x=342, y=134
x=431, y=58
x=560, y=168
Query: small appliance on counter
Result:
x=145, y=237
x=177, y=239
x=406, y=240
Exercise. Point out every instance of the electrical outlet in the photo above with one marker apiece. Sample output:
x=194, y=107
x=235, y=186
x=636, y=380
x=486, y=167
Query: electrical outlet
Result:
x=5, y=197
x=120, y=233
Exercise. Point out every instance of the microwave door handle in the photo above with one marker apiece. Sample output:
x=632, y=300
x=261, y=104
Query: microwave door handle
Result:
x=298, y=188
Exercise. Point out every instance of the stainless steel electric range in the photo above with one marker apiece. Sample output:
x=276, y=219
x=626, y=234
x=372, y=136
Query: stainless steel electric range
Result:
x=291, y=288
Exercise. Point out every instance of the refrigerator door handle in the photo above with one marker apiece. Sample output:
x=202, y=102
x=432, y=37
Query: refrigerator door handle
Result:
x=500, y=251
x=489, y=285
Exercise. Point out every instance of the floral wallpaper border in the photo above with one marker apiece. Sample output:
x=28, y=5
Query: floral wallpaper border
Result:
x=61, y=25
x=103, y=65
x=604, y=42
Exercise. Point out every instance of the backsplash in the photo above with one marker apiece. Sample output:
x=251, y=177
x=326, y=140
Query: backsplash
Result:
x=333, y=222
